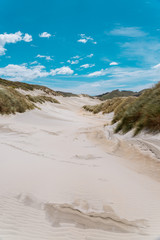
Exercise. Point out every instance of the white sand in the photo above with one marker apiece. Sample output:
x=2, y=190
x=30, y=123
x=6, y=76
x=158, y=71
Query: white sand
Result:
x=63, y=175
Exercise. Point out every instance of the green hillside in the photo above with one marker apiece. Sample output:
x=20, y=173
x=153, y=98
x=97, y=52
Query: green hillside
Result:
x=117, y=93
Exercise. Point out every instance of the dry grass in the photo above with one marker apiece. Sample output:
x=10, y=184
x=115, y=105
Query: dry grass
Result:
x=27, y=87
x=117, y=93
x=121, y=108
x=136, y=113
x=144, y=113
x=41, y=99
x=105, y=107
x=11, y=101
x=67, y=94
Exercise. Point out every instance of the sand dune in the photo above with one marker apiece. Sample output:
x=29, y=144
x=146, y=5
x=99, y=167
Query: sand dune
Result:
x=65, y=175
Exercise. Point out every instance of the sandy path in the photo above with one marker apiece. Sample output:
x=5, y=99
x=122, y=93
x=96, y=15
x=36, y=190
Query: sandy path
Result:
x=62, y=176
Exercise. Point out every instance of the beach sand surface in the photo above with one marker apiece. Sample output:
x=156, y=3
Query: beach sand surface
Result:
x=64, y=175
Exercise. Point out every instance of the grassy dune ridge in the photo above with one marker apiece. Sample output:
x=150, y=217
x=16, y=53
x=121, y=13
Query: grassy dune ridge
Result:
x=144, y=113
x=27, y=87
x=117, y=93
x=41, y=99
x=105, y=107
x=12, y=101
x=136, y=113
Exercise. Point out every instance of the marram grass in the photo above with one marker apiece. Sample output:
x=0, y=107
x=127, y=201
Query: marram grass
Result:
x=138, y=113
x=12, y=101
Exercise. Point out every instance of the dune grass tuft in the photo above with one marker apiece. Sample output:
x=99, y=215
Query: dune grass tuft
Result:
x=105, y=107
x=121, y=108
x=27, y=86
x=41, y=99
x=136, y=113
x=117, y=93
x=11, y=101
x=144, y=113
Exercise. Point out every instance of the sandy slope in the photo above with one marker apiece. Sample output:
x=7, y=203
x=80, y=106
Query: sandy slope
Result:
x=64, y=175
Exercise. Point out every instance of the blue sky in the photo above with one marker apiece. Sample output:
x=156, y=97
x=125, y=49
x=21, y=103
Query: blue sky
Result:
x=82, y=46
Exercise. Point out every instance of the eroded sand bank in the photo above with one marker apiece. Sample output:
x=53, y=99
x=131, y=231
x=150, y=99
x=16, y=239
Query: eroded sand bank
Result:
x=64, y=175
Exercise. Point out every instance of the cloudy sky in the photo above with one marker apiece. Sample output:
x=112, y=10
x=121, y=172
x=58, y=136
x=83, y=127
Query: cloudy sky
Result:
x=83, y=46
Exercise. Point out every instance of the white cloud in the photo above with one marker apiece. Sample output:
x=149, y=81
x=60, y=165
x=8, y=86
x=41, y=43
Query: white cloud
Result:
x=128, y=32
x=61, y=71
x=157, y=66
x=142, y=48
x=73, y=62
x=128, y=75
x=25, y=72
x=102, y=72
x=146, y=51
x=82, y=40
x=85, y=39
x=27, y=38
x=12, y=38
x=34, y=62
x=87, y=65
x=45, y=35
x=90, y=55
x=2, y=50
x=76, y=57
x=96, y=84
x=113, y=64
x=134, y=79
x=116, y=78
x=48, y=58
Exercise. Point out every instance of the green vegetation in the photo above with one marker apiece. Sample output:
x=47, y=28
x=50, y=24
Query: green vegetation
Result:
x=144, y=113
x=86, y=95
x=67, y=94
x=117, y=93
x=11, y=101
x=105, y=107
x=122, y=107
x=27, y=87
x=32, y=87
x=41, y=99
x=136, y=113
